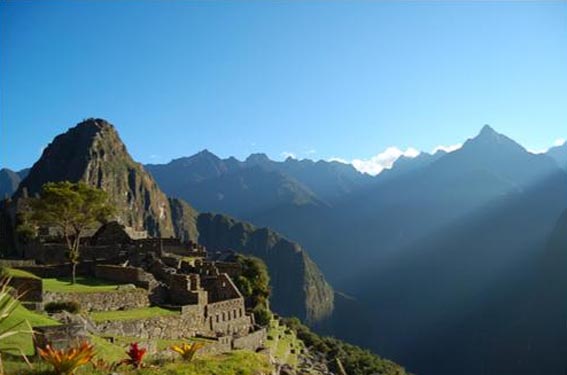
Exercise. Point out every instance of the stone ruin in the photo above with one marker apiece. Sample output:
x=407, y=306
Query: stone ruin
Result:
x=160, y=272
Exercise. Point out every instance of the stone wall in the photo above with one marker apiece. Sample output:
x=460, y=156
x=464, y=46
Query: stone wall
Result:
x=59, y=270
x=13, y=263
x=185, y=290
x=220, y=288
x=104, y=301
x=119, y=274
x=61, y=336
x=55, y=253
x=252, y=341
x=228, y=317
x=233, y=269
x=158, y=327
x=29, y=289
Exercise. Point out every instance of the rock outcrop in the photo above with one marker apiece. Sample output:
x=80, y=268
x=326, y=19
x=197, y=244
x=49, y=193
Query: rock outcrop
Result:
x=92, y=152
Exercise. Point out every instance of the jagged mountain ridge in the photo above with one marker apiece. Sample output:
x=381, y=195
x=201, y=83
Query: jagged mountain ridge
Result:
x=256, y=185
x=93, y=152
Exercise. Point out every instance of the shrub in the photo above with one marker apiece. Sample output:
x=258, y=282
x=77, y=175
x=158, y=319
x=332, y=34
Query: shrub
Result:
x=262, y=316
x=66, y=361
x=60, y=306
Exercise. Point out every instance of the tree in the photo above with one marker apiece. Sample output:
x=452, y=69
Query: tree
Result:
x=72, y=208
x=254, y=284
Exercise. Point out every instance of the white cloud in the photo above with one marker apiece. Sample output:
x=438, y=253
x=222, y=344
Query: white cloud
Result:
x=383, y=160
x=449, y=148
x=559, y=142
x=288, y=154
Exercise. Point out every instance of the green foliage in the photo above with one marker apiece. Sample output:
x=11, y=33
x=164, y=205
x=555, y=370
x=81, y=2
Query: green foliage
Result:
x=254, y=284
x=262, y=315
x=72, y=208
x=8, y=305
x=354, y=359
x=14, y=272
x=59, y=306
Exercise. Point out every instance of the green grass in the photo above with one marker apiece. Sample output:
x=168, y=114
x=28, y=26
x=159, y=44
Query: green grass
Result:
x=282, y=343
x=83, y=285
x=233, y=363
x=106, y=350
x=142, y=313
x=162, y=344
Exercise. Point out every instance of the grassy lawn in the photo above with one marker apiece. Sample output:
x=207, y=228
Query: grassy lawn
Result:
x=142, y=313
x=83, y=285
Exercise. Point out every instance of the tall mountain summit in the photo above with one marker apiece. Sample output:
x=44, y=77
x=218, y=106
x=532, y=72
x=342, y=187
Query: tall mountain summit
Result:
x=93, y=152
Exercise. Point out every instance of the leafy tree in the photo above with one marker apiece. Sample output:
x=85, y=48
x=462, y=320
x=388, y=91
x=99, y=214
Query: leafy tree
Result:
x=254, y=284
x=72, y=208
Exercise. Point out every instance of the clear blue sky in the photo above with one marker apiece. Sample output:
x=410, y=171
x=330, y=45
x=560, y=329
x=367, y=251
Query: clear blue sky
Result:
x=346, y=79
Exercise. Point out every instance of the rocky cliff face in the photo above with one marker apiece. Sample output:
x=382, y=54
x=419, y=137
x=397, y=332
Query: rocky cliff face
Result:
x=93, y=152
x=291, y=269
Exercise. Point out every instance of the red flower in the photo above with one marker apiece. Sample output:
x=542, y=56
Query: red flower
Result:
x=136, y=355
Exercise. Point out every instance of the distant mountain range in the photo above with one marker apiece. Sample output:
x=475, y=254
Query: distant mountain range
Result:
x=452, y=263
x=433, y=249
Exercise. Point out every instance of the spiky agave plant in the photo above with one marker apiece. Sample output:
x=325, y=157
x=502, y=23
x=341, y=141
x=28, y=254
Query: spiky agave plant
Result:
x=67, y=361
x=187, y=350
x=8, y=304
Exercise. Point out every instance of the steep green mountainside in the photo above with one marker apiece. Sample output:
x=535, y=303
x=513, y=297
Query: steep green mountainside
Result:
x=299, y=287
x=219, y=232
x=93, y=152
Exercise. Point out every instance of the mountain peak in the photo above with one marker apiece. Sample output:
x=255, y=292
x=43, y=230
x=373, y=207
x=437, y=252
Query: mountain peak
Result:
x=92, y=152
x=258, y=158
x=206, y=153
x=488, y=132
x=488, y=137
x=487, y=129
